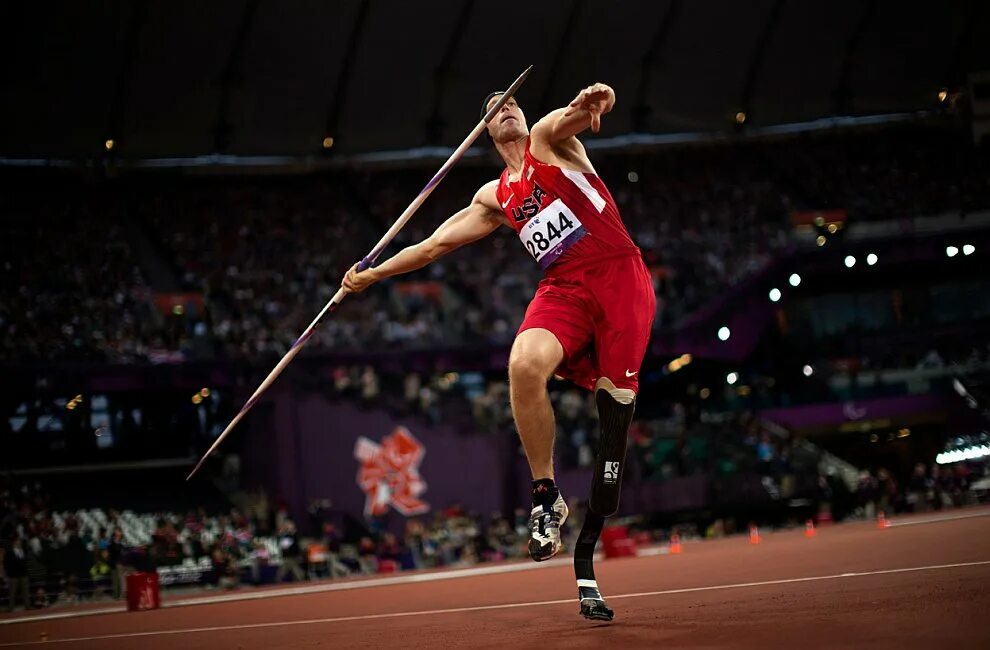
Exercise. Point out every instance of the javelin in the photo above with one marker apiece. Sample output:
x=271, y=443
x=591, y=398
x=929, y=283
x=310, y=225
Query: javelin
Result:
x=367, y=262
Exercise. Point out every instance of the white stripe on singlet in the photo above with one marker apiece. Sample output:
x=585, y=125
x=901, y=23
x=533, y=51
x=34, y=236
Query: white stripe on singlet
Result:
x=586, y=188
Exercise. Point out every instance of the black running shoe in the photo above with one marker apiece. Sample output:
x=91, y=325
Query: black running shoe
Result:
x=544, y=530
x=593, y=606
x=596, y=610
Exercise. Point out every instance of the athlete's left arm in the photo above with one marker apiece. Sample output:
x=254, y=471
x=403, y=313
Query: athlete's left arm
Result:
x=584, y=112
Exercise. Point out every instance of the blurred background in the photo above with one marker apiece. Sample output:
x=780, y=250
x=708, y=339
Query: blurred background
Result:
x=184, y=185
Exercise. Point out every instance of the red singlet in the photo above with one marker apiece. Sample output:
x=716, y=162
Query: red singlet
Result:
x=597, y=297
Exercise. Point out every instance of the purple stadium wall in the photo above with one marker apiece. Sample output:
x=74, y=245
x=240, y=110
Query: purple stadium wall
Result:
x=306, y=451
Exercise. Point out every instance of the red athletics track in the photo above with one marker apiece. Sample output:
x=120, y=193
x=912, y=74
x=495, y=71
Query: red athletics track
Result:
x=916, y=584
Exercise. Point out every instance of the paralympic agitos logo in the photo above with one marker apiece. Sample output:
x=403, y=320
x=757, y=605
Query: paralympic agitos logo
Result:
x=389, y=473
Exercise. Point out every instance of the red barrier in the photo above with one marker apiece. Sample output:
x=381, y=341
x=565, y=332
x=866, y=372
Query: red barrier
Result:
x=142, y=592
x=616, y=542
x=387, y=566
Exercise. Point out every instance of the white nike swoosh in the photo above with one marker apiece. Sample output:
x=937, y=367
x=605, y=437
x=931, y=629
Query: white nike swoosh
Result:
x=631, y=374
x=506, y=202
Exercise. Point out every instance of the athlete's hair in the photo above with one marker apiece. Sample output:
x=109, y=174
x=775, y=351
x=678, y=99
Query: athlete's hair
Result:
x=484, y=110
x=484, y=104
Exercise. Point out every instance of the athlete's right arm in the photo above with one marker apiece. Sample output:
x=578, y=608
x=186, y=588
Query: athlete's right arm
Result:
x=478, y=220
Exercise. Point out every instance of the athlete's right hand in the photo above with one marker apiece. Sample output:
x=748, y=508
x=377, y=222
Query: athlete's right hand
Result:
x=597, y=99
x=355, y=282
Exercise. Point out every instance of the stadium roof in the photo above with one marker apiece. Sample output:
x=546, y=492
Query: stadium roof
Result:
x=252, y=77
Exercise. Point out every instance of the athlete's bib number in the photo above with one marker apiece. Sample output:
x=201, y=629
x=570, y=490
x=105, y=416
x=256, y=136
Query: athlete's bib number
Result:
x=551, y=232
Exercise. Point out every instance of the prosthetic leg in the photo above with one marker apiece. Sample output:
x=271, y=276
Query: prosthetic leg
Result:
x=615, y=412
x=592, y=604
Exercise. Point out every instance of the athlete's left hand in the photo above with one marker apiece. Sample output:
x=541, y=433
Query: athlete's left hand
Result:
x=355, y=282
x=597, y=99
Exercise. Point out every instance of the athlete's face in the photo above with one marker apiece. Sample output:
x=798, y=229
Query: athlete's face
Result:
x=510, y=123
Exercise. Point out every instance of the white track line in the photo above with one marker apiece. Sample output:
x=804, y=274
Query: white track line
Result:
x=936, y=520
x=70, y=614
x=454, y=610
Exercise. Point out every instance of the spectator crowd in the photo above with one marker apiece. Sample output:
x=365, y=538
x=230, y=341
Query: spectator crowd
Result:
x=265, y=254
x=49, y=557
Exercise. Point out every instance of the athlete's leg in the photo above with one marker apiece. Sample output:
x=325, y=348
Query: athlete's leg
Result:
x=592, y=604
x=615, y=412
x=535, y=354
x=555, y=332
x=621, y=339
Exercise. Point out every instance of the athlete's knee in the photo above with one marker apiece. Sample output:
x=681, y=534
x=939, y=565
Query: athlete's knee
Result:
x=535, y=355
x=524, y=369
x=615, y=412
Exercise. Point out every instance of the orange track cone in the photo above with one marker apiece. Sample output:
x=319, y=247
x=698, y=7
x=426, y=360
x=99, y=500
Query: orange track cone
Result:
x=809, y=528
x=754, y=535
x=675, y=544
x=882, y=520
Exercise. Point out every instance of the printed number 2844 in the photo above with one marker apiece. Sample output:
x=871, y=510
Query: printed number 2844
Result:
x=540, y=242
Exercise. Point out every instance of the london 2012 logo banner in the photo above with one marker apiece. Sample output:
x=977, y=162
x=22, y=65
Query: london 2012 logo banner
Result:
x=389, y=473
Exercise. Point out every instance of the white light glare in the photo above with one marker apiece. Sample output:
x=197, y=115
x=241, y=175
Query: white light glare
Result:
x=951, y=251
x=968, y=249
x=808, y=370
x=731, y=378
x=957, y=455
x=871, y=259
x=850, y=261
x=795, y=279
x=724, y=333
x=775, y=295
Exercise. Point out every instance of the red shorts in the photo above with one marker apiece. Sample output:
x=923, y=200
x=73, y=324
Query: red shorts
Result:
x=602, y=315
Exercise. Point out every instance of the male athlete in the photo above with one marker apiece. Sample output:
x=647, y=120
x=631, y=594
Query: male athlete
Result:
x=591, y=317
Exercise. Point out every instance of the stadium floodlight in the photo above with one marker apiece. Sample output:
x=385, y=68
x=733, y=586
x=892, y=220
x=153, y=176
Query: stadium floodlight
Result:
x=850, y=261
x=951, y=251
x=775, y=295
x=795, y=279
x=724, y=333
x=956, y=455
x=959, y=388
x=871, y=259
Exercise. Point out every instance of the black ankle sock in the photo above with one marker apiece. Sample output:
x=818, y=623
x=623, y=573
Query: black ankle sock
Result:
x=545, y=492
